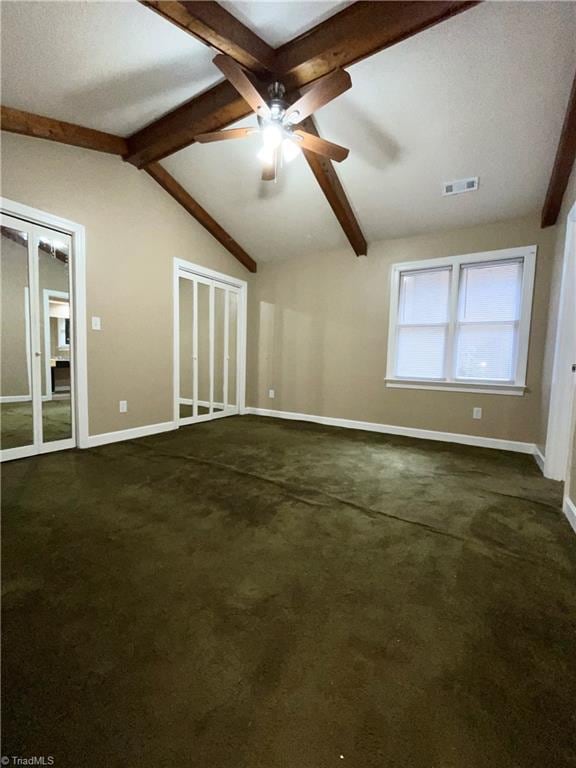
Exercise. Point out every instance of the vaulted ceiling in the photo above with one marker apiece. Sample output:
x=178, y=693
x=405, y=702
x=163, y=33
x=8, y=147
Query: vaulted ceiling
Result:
x=483, y=93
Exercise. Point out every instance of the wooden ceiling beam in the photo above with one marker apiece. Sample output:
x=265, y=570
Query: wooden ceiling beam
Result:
x=563, y=164
x=330, y=184
x=28, y=124
x=177, y=191
x=211, y=111
x=213, y=25
x=360, y=30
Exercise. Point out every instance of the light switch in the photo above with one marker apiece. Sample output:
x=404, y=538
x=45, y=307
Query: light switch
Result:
x=96, y=324
x=477, y=413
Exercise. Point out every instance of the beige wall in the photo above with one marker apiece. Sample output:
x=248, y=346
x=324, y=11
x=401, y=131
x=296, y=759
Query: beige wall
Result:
x=317, y=326
x=318, y=330
x=133, y=231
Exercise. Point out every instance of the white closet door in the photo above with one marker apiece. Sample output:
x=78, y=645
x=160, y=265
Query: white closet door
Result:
x=186, y=351
x=37, y=384
x=207, y=347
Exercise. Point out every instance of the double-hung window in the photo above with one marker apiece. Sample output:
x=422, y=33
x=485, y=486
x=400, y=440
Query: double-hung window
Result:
x=462, y=322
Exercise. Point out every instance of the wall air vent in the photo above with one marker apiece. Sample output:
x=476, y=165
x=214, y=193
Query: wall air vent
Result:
x=462, y=185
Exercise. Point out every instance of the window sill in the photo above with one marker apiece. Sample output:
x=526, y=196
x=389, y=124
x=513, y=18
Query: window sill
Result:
x=457, y=386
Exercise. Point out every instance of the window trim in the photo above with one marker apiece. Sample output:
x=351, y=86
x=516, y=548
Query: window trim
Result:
x=518, y=386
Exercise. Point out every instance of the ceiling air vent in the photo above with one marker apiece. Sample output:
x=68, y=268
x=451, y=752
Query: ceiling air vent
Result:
x=462, y=185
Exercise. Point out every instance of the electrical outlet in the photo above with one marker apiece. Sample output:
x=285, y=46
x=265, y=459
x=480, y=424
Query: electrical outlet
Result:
x=96, y=324
x=123, y=406
x=271, y=394
x=477, y=413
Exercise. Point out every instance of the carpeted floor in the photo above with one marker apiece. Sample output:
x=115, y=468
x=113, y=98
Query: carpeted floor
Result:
x=252, y=593
x=16, y=422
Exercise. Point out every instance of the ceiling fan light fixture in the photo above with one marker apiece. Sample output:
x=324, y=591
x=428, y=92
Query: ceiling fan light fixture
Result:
x=266, y=155
x=290, y=150
x=272, y=135
x=293, y=117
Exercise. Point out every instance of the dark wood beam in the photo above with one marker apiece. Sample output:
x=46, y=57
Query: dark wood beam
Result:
x=27, y=124
x=215, y=26
x=358, y=31
x=202, y=216
x=563, y=164
x=211, y=111
x=329, y=182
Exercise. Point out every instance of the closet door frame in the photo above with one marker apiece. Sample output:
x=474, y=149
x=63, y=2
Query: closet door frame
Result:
x=188, y=270
x=30, y=219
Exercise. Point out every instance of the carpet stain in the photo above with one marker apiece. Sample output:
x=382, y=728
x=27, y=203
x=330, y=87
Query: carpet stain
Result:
x=254, y=593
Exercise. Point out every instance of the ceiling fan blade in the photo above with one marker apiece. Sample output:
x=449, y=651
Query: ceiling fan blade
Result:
x=269, y=169
x=245, y=87
x=321, y=93
x=321, y=146
x=231, y=133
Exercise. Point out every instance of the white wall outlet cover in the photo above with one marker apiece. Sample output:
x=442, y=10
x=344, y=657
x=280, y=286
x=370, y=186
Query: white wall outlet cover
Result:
x=477, y=413
x=96, y=324
x=271, y=394
x=123, y=406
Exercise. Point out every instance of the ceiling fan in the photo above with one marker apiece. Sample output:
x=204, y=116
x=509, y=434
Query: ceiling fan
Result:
x=277, y=120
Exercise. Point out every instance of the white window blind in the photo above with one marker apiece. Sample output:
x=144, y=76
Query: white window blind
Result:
x=463, y=321
x=423, y=323
x=488, y=316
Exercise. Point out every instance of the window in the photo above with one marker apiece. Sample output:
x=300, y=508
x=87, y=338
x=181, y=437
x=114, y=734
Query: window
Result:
x=462, y=322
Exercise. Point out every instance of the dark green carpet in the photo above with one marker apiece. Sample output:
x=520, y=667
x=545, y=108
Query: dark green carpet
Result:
x=252, y=593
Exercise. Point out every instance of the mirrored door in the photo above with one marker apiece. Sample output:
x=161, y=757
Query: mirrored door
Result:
x=16, y=404
x=36, y=386
x=207, y=348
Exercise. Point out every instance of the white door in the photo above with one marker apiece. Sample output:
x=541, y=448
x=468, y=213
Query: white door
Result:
x=37, y=368
x=208, y=363
x=559, y=435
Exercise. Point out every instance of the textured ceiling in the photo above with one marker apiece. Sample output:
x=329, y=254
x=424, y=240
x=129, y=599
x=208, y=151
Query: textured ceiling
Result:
x=482, y=94
x=113, y=66
x=279, y=22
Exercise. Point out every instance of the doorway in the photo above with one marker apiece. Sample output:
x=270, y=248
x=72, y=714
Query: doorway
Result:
x=209, y=344
x=563, y=389
x=38, y=386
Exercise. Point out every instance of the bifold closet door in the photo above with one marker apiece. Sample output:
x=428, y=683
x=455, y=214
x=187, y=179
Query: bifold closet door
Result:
x=37, y=380
x=186, y=309
x=52, y=252
x=16, y=405
x=204, y=358
x=208, y=348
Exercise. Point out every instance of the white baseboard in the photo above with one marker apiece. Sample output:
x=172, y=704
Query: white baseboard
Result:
x=128, y=434
x=570, y=512
x=539, y=458
x=388, y=429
